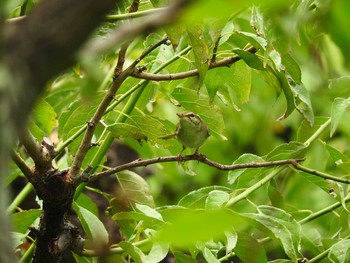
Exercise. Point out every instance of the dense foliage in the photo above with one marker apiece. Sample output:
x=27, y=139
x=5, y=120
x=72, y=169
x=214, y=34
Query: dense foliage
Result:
x=270, y=80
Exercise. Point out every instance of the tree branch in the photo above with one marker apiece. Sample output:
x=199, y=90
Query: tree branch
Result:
x=38, y=152
x=117, y=82
x=197, y=157
x=226, y=62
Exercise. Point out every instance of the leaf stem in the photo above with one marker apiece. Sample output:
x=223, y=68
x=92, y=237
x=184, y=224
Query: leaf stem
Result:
x=317, y=133
x=253, y=188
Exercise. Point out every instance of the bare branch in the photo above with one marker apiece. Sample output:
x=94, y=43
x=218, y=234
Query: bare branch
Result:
x=226, y=62
x=197, y=157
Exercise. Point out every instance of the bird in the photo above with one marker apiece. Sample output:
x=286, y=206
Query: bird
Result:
x=191, y=131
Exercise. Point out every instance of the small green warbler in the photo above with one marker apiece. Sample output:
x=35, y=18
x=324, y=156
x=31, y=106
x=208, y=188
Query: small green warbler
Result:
x=191, y=131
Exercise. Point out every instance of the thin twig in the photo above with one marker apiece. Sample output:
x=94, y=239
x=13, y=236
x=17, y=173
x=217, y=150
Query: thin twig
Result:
x=320, y=174
x=197, y=157
x=226, y=62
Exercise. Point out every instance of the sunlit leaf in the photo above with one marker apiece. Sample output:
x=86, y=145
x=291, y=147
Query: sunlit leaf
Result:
x=216, y=199
x=157, y=253
x=255, y=40
x=198, y=198
x=252, y=60
x=187, y=227
x=340, y=251
x=249, y=174
x=92, y=226
x=44, y=116
x=150, y=212
x=286, y=151
x=282, y=227
x=231, y=241
x=21, y=221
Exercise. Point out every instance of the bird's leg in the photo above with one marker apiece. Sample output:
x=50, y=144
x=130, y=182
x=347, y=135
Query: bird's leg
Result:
x=180, y=157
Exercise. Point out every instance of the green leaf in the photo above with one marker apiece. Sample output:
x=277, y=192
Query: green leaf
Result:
x=92, y=226
x=252, y=60
x=226, y=32
x=248, y=174
x=282, y=227
x=216, y=79
x=291, y=67
x=157, y=254
x=217, y=199
x=122, y=130
x=340, y=251
x=305, y=130
x=198, y=198
x=297, y=96
x=150, y=212
x=44, y=116
x=330, y=187
x=132, y=217
x=152, y=128
x=84, y=201
x=209, y=256
x=257, y=21
x=338, y=87
x=186, y=227
x=339, y=106
x=236, y=78
x=255, y=40
x=275, y=195
x=241, y=81
x=134, y=252
x=286, y=151
x=17, y=239
x=132, y=189
x=181, y=257
x=249, y=250
x=339, y=158
x=231, y=241
x=200, y=50
x=21, y=221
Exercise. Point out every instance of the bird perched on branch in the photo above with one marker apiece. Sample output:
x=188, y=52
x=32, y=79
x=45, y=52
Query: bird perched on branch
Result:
x=191, y=131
